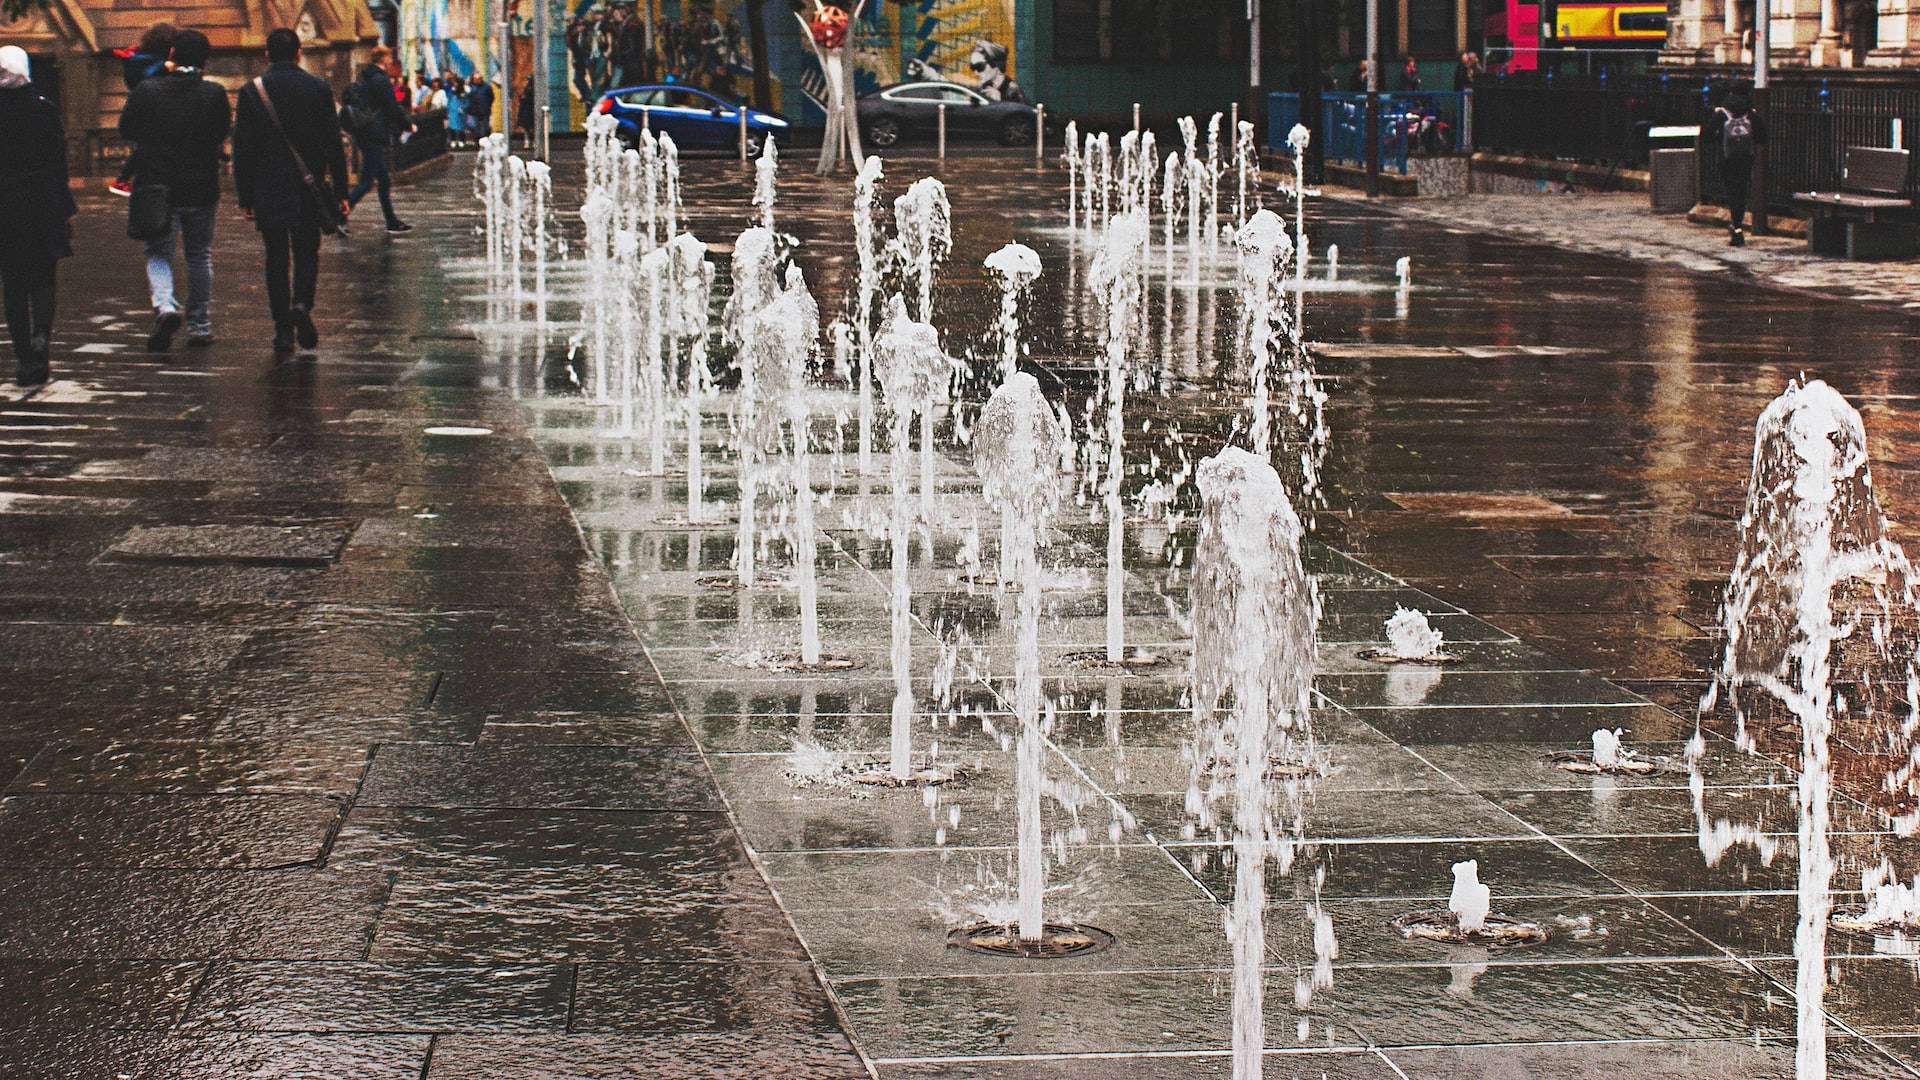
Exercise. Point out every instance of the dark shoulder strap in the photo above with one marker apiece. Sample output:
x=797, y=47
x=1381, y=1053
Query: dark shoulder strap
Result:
x=273, y=117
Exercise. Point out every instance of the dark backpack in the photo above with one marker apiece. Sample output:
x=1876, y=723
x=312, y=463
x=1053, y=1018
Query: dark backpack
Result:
x=355, y=116
x=1736, y=135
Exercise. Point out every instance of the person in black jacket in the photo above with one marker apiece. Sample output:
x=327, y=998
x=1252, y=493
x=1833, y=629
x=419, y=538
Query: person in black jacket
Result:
x=1736, y=130
x=479, y=106
x=379, y=120
x=272, y=191
x=137, y=65
x=34, y=233
x=178, y=123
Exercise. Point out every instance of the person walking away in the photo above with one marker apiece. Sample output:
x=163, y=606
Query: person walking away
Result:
x=479, y=108
x=177, y=123
x=137, y=64
x=524, y=114
x=456, y=111
x=37, y=233
x=271, y=185
x=374, y=118
x=1738, y=131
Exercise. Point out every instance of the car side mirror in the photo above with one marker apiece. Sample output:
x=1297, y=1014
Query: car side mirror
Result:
x=716, y=110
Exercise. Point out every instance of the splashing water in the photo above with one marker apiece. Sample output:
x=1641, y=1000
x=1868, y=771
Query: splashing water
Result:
x=1606, y=749
x=867, y=249
x=1410, y=636
x=1016, y=266
x=1017, y=448
x=1265, y=252
x=1116, y=283
x=1811, y=534
x=1254, y=611
x=782, y=340
x=766, y=171
x=1470, y=901
x=756, y=284
x=923, y=220
x=1070, y=156
x=912, y=369
x=689, y=295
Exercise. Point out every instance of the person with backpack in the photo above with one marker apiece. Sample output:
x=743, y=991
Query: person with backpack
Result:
x=137, y=65
x=287, y=126
x=177, y=123
x=479, y=108
x=373, y=118
x=1736, y=131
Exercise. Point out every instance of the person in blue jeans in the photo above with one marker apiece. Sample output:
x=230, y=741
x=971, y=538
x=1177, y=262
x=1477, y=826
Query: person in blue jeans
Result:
x=177, y=122
x=374, y=119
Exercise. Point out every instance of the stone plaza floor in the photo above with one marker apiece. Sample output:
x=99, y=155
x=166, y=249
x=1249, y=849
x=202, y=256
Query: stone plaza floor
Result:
x=335, y=747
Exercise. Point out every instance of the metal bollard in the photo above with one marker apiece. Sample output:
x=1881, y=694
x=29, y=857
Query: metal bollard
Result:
x=741, y=111
x=943, y=131
x=646, y=118
x=1039, y=133
x=1136, y=116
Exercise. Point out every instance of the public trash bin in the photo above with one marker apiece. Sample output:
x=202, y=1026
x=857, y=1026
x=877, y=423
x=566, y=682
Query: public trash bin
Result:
x=1673, y=167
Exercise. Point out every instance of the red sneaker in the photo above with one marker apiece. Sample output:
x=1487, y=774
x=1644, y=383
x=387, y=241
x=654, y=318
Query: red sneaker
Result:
x=120, y=187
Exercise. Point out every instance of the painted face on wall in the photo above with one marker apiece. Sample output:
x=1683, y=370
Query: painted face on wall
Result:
x=988, y=62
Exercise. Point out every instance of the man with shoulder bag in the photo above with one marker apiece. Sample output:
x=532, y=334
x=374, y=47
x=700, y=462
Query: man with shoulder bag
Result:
x=177, y=122
x=288, y=168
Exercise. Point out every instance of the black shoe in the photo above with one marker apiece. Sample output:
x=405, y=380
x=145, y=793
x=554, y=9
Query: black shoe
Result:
x=165, y=325
x=283, y=339
x=397, y=227
x=34, y=374
x=303, y=327
x=1736, y=238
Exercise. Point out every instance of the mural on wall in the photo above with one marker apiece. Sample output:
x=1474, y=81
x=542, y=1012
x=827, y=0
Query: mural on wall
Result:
x=441, y=37
x=698, y=43
x=962, y=41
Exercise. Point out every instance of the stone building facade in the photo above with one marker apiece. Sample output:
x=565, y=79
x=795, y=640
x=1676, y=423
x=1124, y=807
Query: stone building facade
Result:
x=72, y=42
x=1832, y=34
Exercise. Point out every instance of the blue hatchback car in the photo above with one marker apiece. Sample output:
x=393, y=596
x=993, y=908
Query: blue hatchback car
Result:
x=694, y=118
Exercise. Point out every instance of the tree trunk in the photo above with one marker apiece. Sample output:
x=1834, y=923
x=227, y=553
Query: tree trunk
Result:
x=757, y=48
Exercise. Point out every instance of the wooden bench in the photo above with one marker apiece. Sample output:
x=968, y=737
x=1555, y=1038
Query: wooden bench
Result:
x=1850, y=222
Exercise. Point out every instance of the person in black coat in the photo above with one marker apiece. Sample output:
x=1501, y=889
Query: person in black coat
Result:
x=272, y=191
x=35, y=232
x=371, y=96
x=1737, y=150
x=178, y=124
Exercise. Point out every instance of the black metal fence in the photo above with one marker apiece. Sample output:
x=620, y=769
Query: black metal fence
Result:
x=1810, y=124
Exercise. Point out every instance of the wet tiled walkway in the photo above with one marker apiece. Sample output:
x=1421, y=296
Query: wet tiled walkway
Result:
x=333, y=750
x=328, y=751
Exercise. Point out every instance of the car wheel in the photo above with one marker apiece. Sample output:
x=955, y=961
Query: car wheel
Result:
x=883, y=132
x=756, y=142
x=625, y=136
x=1017, y=130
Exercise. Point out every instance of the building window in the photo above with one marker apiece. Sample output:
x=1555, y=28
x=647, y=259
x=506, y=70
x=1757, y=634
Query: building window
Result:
x=1145, y=31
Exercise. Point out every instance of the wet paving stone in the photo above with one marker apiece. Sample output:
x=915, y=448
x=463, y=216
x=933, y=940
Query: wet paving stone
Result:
x=687, y=847
x=244, y=545
x=130, y=994
x=293, y=766
x=627, y=778
x=799, y=1056
x=189, y=914
x=671, y=998
x=57, y=1055
x=151, y=831
x=619, y=915
x=405, y=998
x=1287, y=1065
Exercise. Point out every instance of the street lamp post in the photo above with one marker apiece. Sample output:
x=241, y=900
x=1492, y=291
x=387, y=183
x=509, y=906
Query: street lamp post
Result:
x=1762, y=43
x=1373, y=98
x=542, y=77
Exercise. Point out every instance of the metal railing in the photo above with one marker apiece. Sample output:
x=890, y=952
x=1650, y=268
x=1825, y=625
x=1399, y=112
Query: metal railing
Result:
x=1605, y=121
x=1411, y=124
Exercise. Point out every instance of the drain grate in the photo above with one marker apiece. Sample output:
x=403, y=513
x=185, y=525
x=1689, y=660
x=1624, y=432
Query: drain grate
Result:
x=1382, y=656
x=1058, y=940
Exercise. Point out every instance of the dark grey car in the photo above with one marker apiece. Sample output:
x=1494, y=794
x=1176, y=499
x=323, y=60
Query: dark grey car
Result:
x=912, y=110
